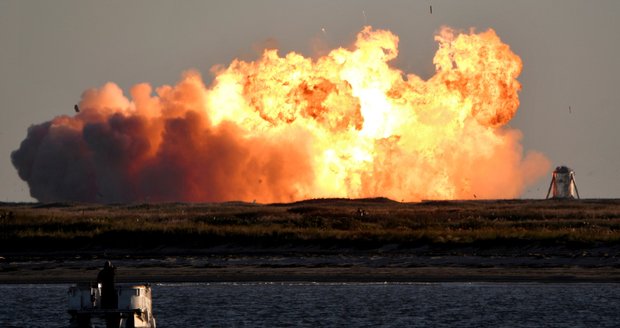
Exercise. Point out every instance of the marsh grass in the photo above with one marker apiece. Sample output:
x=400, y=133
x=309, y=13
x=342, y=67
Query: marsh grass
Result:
x=322, y=223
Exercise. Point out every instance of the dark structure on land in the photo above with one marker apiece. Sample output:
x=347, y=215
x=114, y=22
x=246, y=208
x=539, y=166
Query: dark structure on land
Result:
x=563, y=184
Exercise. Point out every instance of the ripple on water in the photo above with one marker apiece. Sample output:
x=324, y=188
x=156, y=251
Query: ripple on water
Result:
x=343, y=304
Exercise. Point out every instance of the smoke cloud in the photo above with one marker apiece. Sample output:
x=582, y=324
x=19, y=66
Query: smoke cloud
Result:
x=287, y=128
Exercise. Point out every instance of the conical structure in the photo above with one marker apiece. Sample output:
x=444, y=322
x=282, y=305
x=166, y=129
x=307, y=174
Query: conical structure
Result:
x=563, y=184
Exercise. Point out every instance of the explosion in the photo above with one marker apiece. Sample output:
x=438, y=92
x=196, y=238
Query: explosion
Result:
x=288, y=128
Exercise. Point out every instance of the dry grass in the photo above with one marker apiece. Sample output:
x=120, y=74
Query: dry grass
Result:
x=324, y=223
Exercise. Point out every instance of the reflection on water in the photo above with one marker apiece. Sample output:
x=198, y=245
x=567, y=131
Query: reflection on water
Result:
x=349, y=304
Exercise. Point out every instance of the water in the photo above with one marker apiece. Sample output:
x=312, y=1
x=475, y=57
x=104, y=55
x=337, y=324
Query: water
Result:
x=349, y=304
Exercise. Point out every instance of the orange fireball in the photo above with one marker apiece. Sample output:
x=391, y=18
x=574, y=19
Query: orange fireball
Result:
x=285, y=128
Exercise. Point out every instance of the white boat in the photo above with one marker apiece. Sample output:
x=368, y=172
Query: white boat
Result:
x=134, y=307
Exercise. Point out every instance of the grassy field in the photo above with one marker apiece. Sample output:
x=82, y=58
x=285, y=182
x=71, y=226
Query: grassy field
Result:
x=319, y=224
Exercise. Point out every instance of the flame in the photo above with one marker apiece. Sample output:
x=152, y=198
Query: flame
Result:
x=287, y=128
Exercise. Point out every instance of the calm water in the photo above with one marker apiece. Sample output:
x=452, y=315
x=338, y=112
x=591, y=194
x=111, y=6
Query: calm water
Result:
x=350, y=305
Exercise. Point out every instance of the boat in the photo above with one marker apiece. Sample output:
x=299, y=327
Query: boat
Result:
x=134, y=307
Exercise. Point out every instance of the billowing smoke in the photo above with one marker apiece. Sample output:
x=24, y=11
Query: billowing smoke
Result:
x=288, y=128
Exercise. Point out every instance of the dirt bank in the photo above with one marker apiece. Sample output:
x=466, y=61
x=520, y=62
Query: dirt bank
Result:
x=315, y=240
x=324, y=268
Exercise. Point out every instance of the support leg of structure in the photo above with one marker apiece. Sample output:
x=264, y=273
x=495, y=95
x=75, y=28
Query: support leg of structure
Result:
x=550, y=185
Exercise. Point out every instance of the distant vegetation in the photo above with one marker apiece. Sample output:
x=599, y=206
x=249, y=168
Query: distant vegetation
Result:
x=323, y=224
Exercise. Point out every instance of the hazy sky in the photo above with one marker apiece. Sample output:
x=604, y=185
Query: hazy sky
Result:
x=51, y=51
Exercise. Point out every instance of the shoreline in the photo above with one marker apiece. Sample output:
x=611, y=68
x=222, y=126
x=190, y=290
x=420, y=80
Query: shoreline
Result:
x=320, y=240
x=338, y=269
x=322, y=275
